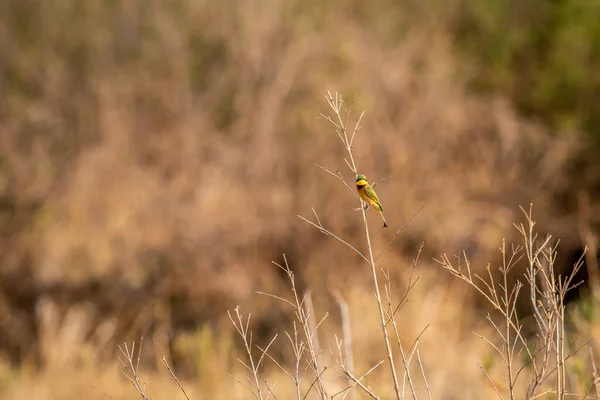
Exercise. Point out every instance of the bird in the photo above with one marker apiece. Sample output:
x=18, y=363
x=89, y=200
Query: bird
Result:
x=368, y=195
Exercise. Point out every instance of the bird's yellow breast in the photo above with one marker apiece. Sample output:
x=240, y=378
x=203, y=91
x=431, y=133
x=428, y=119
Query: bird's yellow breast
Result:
x=360, y=187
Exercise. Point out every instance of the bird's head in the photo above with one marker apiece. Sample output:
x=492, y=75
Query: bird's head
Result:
x=361, y=178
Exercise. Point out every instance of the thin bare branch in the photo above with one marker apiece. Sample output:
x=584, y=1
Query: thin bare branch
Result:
x=166, y=364
x=131, y=367
x=358, y=381
x=398, y=232
x=329, y=233
x=423, y=374
x=381, y=181
x=490, y=380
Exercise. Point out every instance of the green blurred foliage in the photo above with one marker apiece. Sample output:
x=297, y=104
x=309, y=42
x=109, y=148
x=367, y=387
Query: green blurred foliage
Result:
x=543, y=54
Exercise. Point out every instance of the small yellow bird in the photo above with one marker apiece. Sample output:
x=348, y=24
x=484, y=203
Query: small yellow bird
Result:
x=368, y=195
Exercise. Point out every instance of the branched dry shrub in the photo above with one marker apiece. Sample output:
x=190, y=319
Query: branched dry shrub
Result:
x=307, y=349
x=304, y=345
x=131, y=369
x=540, y=358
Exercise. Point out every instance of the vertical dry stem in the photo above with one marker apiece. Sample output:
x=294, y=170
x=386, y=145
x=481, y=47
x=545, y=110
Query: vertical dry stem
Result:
x=342, y=131
x=348, y=359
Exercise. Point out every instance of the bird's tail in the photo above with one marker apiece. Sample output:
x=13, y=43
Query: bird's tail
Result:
x=385, y=225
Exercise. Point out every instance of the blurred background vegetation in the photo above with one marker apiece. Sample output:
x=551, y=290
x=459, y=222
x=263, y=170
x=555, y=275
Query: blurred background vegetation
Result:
x=154, y=156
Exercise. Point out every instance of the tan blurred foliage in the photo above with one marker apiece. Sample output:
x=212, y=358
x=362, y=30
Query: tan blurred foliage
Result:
x=154, y=156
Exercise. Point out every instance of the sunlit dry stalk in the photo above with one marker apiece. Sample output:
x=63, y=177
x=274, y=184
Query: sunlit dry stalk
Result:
x=351, y=377
x=304, y=317
x=340, y=123
x=298, y=347
x=490, y=381
x=348, y=357
x=503, y=300
x=311, y=322
x=243, y=328
x=549, y=311
x=131, y=368
x=305, y=313
x=509, y=300
x=392, y=311
x=270, y=391
x=423, y=374
x=168, y=367
x=547, y=299
x=407, y=359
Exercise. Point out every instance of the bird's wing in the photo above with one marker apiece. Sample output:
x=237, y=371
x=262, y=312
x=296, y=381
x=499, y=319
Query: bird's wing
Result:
x=372, y=195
